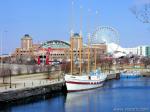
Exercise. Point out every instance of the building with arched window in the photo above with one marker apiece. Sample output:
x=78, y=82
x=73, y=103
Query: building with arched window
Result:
x=54, y=50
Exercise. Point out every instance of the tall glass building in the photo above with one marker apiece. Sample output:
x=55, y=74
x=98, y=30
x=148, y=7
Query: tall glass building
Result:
x=148, y=51
x=143, y=50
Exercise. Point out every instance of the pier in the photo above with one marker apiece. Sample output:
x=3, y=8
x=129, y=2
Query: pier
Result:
x=29, y=85
x=32, y=85
x=22, y=93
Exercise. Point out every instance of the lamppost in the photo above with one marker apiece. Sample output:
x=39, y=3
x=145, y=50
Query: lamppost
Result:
x=10, y=71
x=1, y=53
x=2, y=33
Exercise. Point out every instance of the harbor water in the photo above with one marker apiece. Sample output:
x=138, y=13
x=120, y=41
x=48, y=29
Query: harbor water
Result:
x=124, y=95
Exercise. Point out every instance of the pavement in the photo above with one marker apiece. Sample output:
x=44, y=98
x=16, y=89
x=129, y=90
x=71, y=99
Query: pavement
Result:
x=27, y=81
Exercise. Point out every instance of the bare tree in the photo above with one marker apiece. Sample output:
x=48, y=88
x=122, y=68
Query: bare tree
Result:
x=19, y=70
x=34, y=68
x=48, y=69
x=2, y=74
x=65, y=67
x=28, y=68
x=146, y=61
x=5, y=73
x=142, y=13
x=41, y=68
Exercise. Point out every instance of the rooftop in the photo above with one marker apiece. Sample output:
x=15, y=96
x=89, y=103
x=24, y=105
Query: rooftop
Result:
x=26, y=36
x=76, y=35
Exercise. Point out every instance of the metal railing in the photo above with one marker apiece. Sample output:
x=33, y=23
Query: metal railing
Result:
x=28, y=84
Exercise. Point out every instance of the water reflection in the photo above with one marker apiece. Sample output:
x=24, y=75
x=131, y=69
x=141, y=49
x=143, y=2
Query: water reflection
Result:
x=116, y=94
x=133, y=93
x=82, y=101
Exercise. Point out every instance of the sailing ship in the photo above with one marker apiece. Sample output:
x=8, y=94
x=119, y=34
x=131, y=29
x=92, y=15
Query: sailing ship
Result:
x=82, y=81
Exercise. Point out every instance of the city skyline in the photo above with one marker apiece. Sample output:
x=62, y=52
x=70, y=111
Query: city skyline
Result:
x=51, y=20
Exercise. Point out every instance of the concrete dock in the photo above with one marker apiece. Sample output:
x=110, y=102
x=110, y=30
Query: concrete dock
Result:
x=33, y=85
x=24, y=86
x=16, y=94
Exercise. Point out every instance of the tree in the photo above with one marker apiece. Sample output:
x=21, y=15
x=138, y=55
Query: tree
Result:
x=48, y=69
x=2, y=73
x=28, y=68
x=34, y=68
x=19, y=70
x=146, y=61
x=65, y=67
x=142, y=12
x=5, y=72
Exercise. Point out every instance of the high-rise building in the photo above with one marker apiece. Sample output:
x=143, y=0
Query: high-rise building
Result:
x=140, y=50
x=144, y=50
x=148, y=51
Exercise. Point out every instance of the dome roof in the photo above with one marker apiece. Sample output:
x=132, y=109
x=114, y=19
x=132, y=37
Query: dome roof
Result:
x=76, y=35
x=26, y=36
x=55, y=44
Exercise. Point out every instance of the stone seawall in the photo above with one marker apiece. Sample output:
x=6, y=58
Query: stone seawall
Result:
x=29, y=92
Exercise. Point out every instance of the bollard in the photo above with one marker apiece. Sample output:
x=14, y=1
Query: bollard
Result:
x=40, y=82
x=32, y=83
x=5, y=87
x=15, y=85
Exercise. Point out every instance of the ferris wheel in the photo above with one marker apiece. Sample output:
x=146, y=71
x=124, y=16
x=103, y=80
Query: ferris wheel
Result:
x=106, y=35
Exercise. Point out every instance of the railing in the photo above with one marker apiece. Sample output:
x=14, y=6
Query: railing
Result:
x=28, y=84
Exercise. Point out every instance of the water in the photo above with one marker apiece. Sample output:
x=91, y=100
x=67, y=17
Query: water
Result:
x=124, y=95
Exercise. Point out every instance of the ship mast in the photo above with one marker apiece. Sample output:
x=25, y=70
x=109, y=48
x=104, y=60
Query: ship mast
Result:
x=95, y=49
x=80, y=54
x=88, y=29
x=71, y=39
x=80, y=41
x=95, y=52
x=71, y=59
x=89, y=53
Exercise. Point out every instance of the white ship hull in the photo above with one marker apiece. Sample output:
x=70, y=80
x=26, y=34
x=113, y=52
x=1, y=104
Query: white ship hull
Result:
x=80, y=83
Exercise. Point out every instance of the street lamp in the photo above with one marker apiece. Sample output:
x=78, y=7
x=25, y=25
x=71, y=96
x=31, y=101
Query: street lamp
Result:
x=2, y=34
x=1, y=51
x=10, y=71
x=2, y=54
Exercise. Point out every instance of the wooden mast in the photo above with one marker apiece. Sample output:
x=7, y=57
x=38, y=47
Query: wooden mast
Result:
x=80, y=41
x=88, y=53
x=71, y=39
x=80, y=54
x=89, y=10
x=71, y=59
x=95, y=50
x=95, y=57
